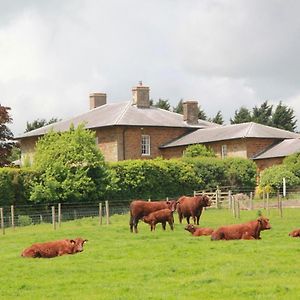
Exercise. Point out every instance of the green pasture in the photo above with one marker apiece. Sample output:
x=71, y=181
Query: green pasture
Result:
x=117, y=264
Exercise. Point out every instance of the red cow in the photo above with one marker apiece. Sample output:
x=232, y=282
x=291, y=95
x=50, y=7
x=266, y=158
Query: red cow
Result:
x=295, y=233
x=246, y=231
x=196, y=231
x=55, y=248
x=191, y=207
x=140, y=208
x=160, y=216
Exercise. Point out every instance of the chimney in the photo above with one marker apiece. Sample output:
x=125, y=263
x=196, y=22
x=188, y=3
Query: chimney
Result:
x=190, y=112
x=140, y=96
x=97, y=99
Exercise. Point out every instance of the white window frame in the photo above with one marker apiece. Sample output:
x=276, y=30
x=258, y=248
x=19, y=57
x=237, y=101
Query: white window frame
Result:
x=224, y=151
x=145, y=145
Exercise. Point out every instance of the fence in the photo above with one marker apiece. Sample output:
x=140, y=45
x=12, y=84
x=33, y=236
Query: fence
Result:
x=229, y=198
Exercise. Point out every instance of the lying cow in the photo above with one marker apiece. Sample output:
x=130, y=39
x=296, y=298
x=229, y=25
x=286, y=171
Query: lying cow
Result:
x=295, y=233
x=196, y=231
x=246, y=231
x=192, y=207
x=160, y=216
x=55, y=248
x=140, y=209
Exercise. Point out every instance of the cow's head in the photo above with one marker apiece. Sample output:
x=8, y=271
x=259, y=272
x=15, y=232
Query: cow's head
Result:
x=205, y=200
x=146, y=219
x=78, y=244
x=190, y=227
x=264, y=223
x=172, y=204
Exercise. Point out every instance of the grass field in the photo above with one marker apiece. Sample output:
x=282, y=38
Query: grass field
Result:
x=117, y=264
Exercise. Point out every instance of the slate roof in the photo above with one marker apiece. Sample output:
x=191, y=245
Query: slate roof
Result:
x=285, y=148
x=230, y=132
x=121, y=114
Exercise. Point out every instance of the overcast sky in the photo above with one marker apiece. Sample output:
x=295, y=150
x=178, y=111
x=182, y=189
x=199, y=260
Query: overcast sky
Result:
x=224, y=54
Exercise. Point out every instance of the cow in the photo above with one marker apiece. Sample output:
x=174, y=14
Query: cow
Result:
x=295, y=233
x=55, y=248
x=160, y=216
x=246, y=231
x=192, y=207
x=140, y=208
x=196, y=231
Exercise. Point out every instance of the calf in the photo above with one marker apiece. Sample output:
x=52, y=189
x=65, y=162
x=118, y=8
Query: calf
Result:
x=140, y=208
x=196, y=231
x=161, y=216
x=55, y=248
x=247, y=231
x=192, y=207
x=295, y=233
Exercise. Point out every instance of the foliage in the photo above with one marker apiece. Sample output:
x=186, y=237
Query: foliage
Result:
x=39, y=123
x=24, y=220
x=71, y=166
x=292, y=162
x=240, y=172
x=198, y=150
x=201, y=114
x=218, y=118
x=179, y=108
x=273, y=177
x=284, y=118
x=263, y=114
x=15, y=153
x=6, y=136
x=242, y=115
x=162, y=103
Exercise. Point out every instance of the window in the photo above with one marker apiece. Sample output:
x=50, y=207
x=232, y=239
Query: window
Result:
x=145, y=144
x=223, y=151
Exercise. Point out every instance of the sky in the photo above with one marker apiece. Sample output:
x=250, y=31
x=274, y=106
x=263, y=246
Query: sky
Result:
x=224, y=54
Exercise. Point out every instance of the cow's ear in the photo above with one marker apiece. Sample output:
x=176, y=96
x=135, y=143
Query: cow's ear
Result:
x=168, y=202
x=72, y=242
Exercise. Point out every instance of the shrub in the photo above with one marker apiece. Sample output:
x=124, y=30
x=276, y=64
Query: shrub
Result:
x=24, y=220
x=198, y=150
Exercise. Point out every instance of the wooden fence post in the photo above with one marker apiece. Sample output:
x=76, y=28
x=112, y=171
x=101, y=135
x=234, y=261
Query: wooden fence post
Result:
x=100, y=213
x=251, y=200
x=2, y=220
x=53, y=217
x=268, y=206
x=217, y=198
x=281, y=211
x=264, y=198
x=59, y=214
x=12, y=213
x=149, y=200
x=238, y=208
x=107, y=212
x=234, y=206
x=229, y=200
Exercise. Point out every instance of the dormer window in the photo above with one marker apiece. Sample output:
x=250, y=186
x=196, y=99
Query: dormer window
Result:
x=145, y=145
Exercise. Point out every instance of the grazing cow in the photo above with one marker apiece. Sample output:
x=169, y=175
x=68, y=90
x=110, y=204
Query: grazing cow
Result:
x=196, y=231
x=192, y=207
x=295, y=233
x=246, y=231
x=55, y=248
x=140, y=208
x=160, y=216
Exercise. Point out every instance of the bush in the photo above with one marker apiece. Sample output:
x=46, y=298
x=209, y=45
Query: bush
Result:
x=292, y=162
x=24, y=220
x=198, y=150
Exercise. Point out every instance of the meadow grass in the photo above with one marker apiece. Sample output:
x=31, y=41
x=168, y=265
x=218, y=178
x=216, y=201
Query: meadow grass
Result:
x=117, y=264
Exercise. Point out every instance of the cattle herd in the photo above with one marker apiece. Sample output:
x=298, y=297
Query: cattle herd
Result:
x=156, y=212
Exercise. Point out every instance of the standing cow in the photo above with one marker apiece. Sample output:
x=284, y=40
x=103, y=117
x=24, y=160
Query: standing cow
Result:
x=246, y=231
x=139, y=209
x=160, y=216
x=192, y=207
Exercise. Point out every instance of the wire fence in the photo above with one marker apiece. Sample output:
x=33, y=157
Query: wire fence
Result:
x=232, y=198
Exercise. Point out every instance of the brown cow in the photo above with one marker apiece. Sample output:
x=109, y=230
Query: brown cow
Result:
x=160, y=216
x=55, y=248
x=246, y=231
x=192, y=207
x=196, y=231
x=140, y=208
x=295, y=233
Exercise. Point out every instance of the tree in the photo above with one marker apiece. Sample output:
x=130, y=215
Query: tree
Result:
x=6, y=136
x=218, y=119
x=38, y=123
x=163, y=104
x=179, y=108
x=201, y=114
x=198, y=150
x=284, y=118
x=242, y=115
x=263, y=114
x=71, y=167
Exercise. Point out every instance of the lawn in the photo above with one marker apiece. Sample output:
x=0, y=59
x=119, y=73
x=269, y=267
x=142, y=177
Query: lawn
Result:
x=117, y=264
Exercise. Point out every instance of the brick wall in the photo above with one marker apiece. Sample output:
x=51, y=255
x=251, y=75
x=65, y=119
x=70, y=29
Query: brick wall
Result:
x=267, y=162
x=28, y=149
x=255, y=145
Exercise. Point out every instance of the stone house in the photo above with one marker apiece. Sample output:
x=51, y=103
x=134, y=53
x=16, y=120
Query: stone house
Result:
x=136, y=130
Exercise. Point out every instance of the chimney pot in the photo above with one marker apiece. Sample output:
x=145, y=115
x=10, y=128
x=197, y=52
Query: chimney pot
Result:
x=97, y=99
x=190, y=112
